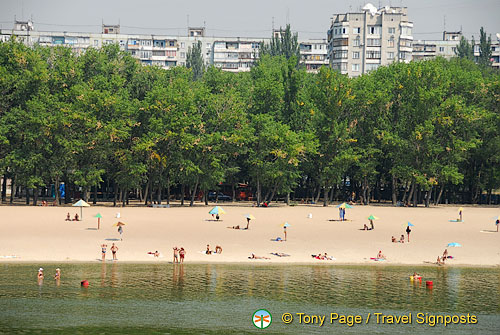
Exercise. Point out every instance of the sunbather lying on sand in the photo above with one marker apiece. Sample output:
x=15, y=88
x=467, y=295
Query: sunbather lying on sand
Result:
x=280, y=254
x=258, y=257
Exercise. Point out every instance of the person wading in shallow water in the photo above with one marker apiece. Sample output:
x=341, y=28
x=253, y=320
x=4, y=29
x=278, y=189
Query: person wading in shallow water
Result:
x=114, y=249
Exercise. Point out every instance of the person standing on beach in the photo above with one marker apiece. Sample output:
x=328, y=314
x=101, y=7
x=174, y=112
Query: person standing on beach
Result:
x=40, y=274
x=497, y=222
x=248, y=222
x=460, y=214
x=408, y=231
x=103, y=251
x=340, y=214
x=176, y=253
x=284, y=230
x=371, y=224
x=57, y=276
x=120, y=230
x=114, y=249
x=182, y=253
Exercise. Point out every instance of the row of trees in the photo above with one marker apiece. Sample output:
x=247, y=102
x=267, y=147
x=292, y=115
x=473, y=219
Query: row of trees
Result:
x=418, y=132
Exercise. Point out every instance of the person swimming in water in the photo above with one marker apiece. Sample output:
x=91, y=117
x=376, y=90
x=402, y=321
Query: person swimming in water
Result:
x=57, y=276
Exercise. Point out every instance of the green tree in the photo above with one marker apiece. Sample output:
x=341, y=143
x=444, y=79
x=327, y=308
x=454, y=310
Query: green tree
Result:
x=283, y=43
x=465, y=49
x=484, y=58
x=194, y=60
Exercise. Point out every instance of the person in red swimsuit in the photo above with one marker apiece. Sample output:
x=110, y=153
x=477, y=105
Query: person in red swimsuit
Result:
x=182, y=253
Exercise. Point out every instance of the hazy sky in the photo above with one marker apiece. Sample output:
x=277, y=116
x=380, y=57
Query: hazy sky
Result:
x=250, y=18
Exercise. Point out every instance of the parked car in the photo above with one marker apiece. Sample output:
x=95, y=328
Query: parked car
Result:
x=223, y=197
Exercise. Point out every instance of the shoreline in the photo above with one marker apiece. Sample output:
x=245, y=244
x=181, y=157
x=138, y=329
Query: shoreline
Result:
x=259, y=263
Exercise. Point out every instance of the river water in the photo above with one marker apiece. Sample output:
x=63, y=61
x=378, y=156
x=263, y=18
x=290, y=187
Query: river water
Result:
x=164, y=298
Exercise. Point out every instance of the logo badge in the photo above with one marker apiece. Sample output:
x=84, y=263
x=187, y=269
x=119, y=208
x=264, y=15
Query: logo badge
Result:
x=262, y=319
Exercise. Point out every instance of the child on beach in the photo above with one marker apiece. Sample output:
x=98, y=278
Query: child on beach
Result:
x=182, y=253
x=114, y=249
x=176, y=253
x=402, y=239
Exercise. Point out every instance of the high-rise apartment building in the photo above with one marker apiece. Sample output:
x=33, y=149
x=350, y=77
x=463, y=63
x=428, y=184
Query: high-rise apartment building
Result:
x=363, y=41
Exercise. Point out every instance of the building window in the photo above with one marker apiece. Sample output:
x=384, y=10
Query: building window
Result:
x=183, y=55
x=356, y=41
x=403, y=55
x=356, y=30
x=340, y=54
x=441, y=49
x=340, y=42
x=208, y=45
x=183, y=45
x=343, y=66
x=158, y=53
x=371, y=67
x=390, y=55
x=355, y=67
x=345, y=30
x=373, y=42
x=390, y=42
x=355, y=55
x=372, y=54
x=374, y=30
x=454, y=49
x=392, y=30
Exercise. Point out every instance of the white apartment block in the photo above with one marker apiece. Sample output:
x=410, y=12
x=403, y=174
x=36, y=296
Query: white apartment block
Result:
x=228, y=53
x=313, y=54
x=361, y=42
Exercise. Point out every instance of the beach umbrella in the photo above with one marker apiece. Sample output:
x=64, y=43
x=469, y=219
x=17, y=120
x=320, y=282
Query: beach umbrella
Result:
x=460, y=209
x=118, y=224
x=250, y=216
x=217, y=210
x=285, y=225
x=410, y=224
x=99, y=217
x=372, y=217
x=344, y=205
x=454, y=244
x=80, y=203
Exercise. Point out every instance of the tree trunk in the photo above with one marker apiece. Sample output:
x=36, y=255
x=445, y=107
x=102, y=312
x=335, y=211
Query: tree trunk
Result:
x=318, y=194
x=440, y=194
x=27, y=195
x=182, y=194
x=489, y=196
x=233, y=189
x=168, y=190
x=158, y=195
x=3, y=198
x=115, y=198
x=325, y=196
x=411, y=193
x=35, y=196
x=205, y=196
x=394, y=191
x=415, y=195
x=146, y=190
x=56, y=190
x=273, y=192
x=428, y=198
x=258, y=192
x=95, y=195
x=12, y=189
x=287, y=200
x=193, y=195
x=332, y=192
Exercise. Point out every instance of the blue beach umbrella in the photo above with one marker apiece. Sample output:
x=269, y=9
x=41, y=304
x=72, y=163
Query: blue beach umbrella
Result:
x=454, y=244
x=285, y=225
x=410, y=224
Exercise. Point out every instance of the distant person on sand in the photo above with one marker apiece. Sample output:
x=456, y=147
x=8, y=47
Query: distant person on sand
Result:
x=258, y=257
x=284, y=230
x=76, y=217
x=218, y=249
x=380, y=255
x=235, y=227
x=340, y=214
x=57, y=276
x=365, y=227
x=371, y=224
x=438, y=261
x=217, y=217
x=103, y=251
x=460, y=214
x=402, y=239
x=114, y=249
x=248, y=222
x=208, y=252
x=497, y=222
x=120, y=230
x=156, y=254
x=176, y=253
x=182, y=253
x=40, y=274
x=68, y=217
x=408, y=231
x=445, y=253
x=393, y=239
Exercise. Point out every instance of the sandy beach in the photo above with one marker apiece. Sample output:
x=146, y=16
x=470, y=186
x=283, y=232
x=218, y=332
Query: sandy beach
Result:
x=42, y=234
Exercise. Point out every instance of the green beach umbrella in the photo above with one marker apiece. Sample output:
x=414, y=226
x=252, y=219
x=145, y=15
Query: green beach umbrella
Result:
x=344, y=205
x=80, y=203
x=372, y=217
x=285, y=225
x=99, y=217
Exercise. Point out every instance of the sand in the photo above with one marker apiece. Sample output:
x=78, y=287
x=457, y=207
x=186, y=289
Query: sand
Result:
x=35, y=234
